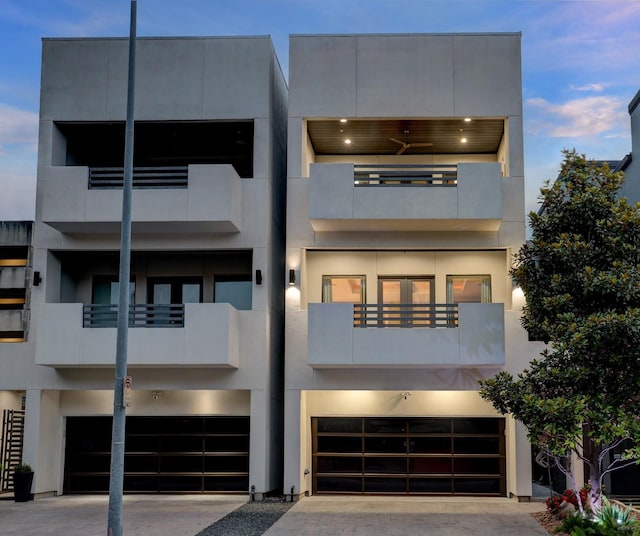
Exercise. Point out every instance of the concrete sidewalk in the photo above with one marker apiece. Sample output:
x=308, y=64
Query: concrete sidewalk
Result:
x=142, y=515
x=409, y=516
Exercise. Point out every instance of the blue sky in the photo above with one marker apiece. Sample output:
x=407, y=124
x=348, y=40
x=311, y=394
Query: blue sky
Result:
x=580, y=61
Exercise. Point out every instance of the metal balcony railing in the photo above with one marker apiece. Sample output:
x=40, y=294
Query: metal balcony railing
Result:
x=141, y=315
x=108, y=178
x=405, y=175
x=381, y=315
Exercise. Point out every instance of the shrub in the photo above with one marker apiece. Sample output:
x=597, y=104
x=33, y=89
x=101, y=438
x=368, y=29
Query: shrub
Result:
x=553, y=503
x=22, y=468
x=614, y=520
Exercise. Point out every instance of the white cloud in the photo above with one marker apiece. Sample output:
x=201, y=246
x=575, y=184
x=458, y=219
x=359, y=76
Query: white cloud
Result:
x=590, y=87
x=578, y=117
x=17, y=127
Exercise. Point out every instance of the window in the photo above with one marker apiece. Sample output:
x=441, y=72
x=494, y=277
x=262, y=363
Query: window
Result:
x=236, y=290
x=343, y=289
x=468, y=289
x=406, y=300
x=106, y=290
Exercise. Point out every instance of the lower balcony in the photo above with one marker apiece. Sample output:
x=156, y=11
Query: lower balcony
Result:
x=452, y=335
x=183, y=335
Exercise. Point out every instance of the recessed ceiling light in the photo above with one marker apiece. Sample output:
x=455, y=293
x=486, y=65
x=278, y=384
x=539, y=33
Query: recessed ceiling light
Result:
x=463, y=140
x=347, y=141
x=343, y=120
x=467, y=120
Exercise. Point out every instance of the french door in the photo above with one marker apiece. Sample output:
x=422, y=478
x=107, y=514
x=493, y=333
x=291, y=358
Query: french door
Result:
x=405, y=301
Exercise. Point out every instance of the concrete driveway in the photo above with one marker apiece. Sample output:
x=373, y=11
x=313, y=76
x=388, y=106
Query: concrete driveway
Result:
x=409, y=516
x=142, y=515
x=171, y=515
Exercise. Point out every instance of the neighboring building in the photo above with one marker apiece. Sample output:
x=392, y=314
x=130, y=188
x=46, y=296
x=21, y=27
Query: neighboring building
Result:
x=16, y=278
x=405, y=206
x=626, y=483
x=207, y=293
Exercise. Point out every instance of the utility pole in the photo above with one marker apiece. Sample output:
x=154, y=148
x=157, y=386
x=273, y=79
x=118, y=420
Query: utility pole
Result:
x=119, y=410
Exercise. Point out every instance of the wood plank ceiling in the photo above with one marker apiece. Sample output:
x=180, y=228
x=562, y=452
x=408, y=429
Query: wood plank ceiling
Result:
x=374, y=136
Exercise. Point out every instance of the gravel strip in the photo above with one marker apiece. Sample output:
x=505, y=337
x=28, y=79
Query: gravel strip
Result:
x=250, y=519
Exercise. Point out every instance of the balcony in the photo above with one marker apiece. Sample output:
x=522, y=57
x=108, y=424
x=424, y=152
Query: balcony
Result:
x=200, y=198
x=405, y=336
x=184, y=335
x=13, y=321
x=462, y=197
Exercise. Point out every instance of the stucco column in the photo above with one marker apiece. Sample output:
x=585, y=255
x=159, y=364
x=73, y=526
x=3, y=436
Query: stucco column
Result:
x=42, y=448
x=294, y=439
x=522, y=457
x=259, y=446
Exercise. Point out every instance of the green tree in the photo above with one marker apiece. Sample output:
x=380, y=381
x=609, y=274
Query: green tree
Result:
x=580, y=275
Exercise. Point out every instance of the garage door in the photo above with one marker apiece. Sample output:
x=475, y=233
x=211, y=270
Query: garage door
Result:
x=440, y=456
x=162, y=454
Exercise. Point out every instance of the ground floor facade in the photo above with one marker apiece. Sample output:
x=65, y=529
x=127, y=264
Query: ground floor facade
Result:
x=176, y=441
x=403, y=443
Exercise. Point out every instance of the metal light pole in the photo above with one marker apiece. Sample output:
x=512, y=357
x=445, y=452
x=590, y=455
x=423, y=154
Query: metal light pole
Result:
x=117, y=435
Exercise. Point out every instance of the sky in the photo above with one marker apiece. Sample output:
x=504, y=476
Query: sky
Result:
x=580, y=62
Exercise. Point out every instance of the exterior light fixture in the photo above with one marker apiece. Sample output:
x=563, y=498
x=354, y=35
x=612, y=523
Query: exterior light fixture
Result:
x=347, y=141
x=467, y=120
x=463, y=140
x=37, y=279
x=343, y=120
x=292, y=277
x=258, y=277
x=155, y=395
x=405, y=394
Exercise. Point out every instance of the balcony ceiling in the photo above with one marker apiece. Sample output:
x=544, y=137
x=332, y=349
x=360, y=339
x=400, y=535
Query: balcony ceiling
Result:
x=373, y=136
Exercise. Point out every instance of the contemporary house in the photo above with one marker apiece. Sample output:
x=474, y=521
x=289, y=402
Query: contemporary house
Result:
x=405, y=203
x=351, y=349
x=207, y=292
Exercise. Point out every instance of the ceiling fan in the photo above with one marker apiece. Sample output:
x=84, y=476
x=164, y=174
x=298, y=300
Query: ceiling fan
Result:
x=406, y=145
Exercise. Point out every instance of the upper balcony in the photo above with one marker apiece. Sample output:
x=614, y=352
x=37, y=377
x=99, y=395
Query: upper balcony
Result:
x=181, y=335
x=193, y=199
x=405, y=197
x=186, y=176
x=444, y=336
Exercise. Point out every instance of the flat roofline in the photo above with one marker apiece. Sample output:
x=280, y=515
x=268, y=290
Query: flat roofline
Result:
x=437, y=34
x=159, y=38
x=634, y=102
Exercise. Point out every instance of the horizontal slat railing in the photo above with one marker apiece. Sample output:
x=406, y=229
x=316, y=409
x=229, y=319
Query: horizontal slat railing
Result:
x=381, y=315
x=141, y=315
x=143, y=177
x=405, y=175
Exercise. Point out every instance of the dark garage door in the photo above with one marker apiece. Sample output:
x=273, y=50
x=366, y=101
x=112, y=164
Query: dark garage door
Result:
x=439, y=456
x=162, y=455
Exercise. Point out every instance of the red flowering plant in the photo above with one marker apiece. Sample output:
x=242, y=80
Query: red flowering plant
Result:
x=569, y=496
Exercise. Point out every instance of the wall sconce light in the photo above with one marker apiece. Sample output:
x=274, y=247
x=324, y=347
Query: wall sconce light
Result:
x=37, y=279
x=292, y=277
x=156, y=395
x=258, y=277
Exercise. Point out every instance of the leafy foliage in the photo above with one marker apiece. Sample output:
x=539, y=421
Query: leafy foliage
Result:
x=580, y=275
